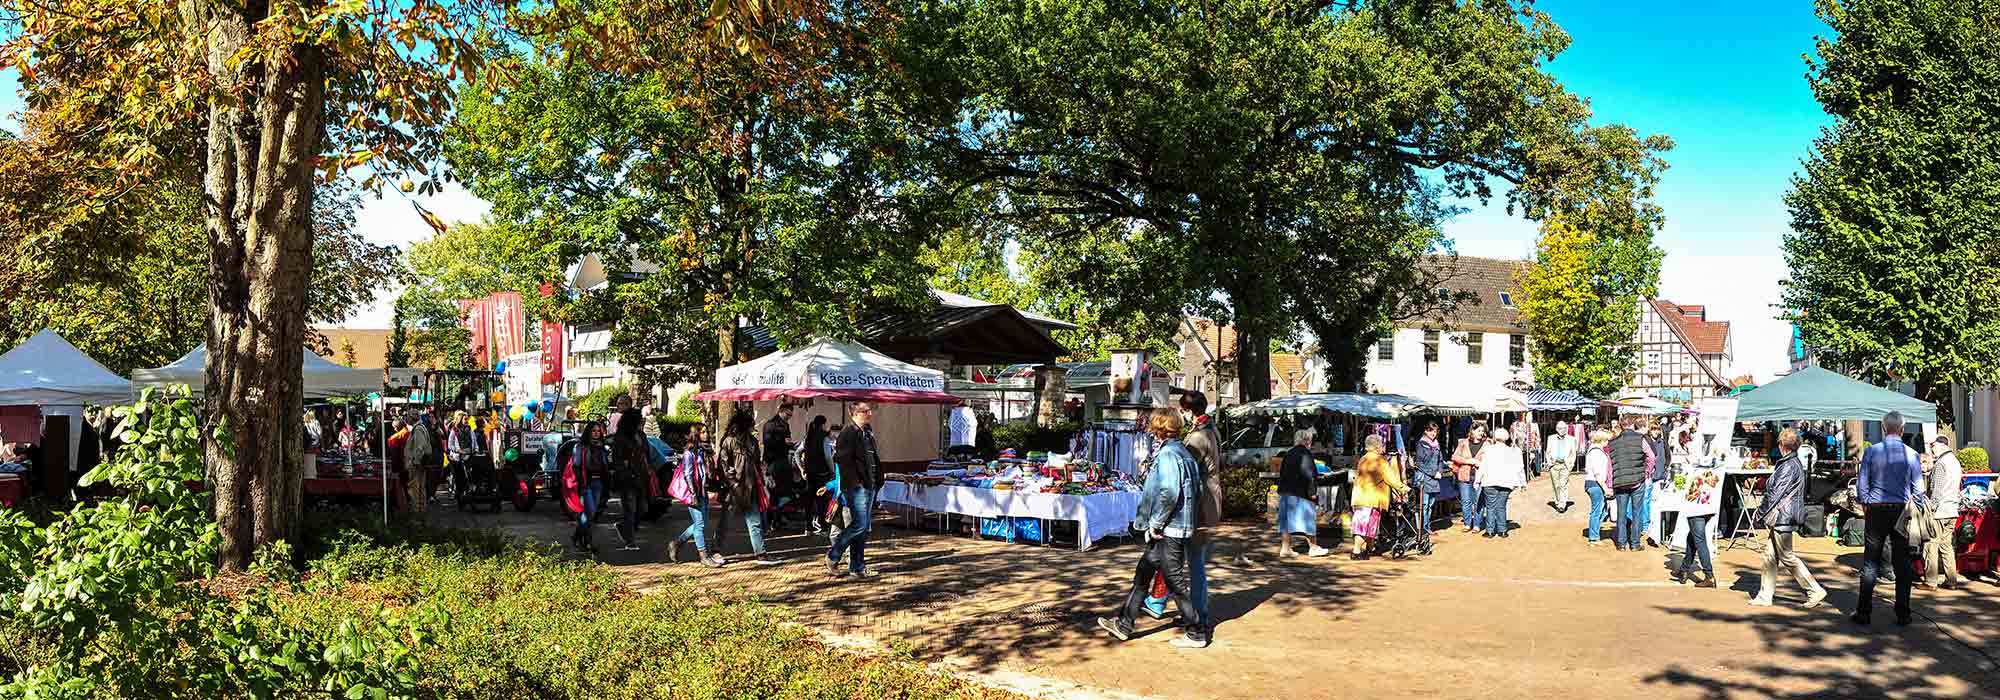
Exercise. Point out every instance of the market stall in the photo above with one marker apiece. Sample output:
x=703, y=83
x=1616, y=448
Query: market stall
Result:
x=45, y=381
x=320, y=378
x=1260, y=433
x=1018, y=498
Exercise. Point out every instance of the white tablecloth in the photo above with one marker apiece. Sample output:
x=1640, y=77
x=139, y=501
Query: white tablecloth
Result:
x=1099, y=515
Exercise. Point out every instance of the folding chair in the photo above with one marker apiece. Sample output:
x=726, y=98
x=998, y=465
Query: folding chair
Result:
x=1748, y=500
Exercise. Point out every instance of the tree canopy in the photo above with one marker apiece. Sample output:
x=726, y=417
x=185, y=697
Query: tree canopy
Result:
x=1895, y=243
x=1250, y=158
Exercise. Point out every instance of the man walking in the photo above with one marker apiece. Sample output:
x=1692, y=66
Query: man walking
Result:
x=1890, y=478
x=1628, y=477
x=776, y=444
x=860, y=467
x=1940, y=552
x=1560, y=454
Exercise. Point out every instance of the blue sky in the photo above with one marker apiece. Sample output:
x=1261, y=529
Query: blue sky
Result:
x=1724, y=79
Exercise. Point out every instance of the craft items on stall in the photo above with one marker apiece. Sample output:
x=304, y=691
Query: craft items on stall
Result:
x=1013, y=496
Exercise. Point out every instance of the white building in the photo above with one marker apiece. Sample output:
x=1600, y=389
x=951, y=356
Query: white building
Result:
x=1481, y=346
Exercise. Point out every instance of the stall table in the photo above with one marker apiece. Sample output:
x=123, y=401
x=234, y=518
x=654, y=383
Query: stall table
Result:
x=359, y=487
x=1097, y=515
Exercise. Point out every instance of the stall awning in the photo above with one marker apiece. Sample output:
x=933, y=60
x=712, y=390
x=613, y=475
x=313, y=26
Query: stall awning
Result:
x=1552, y=400
x=1382, y=406
x=590, y=341
x=829, y=370
x=1645, y=405
x=1815, y=393
x=45, y=369
x=318, y=377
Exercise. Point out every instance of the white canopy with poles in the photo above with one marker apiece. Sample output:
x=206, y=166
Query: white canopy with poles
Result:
x=48, y=370
x=323, y=379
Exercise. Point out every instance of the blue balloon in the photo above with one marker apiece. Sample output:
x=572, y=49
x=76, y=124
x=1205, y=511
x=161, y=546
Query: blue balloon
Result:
x=532, y=406
x=501, y=367
x=548, y=404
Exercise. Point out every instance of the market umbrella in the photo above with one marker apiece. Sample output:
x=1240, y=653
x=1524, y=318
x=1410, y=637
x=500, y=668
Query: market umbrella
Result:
x=1815, y=393
x=1552, y=400
x=829, y=370
x=1381, y=406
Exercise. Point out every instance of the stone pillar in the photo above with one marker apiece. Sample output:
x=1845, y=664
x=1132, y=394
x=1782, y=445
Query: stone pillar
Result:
x=1051, y=386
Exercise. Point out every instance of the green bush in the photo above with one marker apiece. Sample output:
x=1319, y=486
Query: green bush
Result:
x=1973, y=460
x=1026, y=437
x=1244, y=493
x=597, y=404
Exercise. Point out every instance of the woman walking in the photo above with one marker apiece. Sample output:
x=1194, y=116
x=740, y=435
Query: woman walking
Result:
x=583, y=484
x=743, y=478
x=818, y=459
x=1597, y=473
x=1430, y=471
x=1375, y=482
x=690, y=486
x=1501, y=470
x=1784, y=512
x=1464, y=466
x=629, y=460
x=1298, y=501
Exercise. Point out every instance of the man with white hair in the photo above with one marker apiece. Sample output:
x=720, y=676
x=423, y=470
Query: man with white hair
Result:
x=1941, y=553
x=1560, y=453
x=1889, y=480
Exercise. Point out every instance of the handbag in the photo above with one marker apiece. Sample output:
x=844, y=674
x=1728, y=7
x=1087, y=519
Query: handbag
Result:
x=1915, y=523
x=681, y=487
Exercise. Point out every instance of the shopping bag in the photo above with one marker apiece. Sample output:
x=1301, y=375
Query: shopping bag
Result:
x=1001, y=527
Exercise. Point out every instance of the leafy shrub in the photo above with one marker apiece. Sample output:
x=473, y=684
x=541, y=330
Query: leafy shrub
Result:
x=1973, y=460
x=597, y=404
x=1244, y=493
x=120, y=598
x=1025, y=436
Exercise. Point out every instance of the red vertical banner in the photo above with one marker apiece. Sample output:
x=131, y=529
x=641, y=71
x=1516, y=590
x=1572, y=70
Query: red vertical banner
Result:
x=552, y=353
x=510, y=321
x=472, y=312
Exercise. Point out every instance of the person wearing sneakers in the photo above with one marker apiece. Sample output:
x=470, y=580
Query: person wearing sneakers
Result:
x=1168, y=515
x=1560, y=453
x=1783, y=513
x=859, y=463
x=696, y=495
x=1298, y=502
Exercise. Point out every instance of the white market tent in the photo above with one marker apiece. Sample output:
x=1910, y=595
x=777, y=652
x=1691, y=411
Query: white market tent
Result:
x=829, y=370
x=47, y=370
x=323, y=379
x=1471, y=396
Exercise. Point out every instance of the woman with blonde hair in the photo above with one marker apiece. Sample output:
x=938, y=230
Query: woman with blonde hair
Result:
x=1375, y=482
x=1298, y=500
x=1596, y=474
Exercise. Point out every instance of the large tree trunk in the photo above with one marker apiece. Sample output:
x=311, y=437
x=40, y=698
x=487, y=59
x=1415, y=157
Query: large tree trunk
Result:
x=1253, y=365
x=259, y=188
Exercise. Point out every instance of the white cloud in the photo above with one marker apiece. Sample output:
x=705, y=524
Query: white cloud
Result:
x=393, y=220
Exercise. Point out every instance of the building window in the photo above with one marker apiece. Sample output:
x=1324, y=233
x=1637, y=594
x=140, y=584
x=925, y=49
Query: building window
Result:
x=1506, y=300
x=1517, y=351
x=1475, y=348
x=1431, y=346
x=1385, y=346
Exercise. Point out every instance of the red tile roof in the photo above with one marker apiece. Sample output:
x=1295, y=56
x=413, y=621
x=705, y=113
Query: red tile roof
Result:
x=1707, y=337
x=1488, y=279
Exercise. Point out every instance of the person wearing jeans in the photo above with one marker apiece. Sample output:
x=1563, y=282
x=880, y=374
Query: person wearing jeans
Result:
x=858, y=462
x=1168, y=517
x=1464, y=466
x=1630, y=464
x=1430, y=470
x=1501, y=470
x=1784, y=511
x=1596, y=473
x=1697, y=551
x=741, y=467
x=1890, y=478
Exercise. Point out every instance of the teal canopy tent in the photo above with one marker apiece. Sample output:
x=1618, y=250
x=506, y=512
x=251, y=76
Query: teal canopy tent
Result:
x=1814, y=393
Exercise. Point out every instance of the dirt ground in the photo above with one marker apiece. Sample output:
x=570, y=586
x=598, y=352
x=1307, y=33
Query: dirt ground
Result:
x=1538, y=614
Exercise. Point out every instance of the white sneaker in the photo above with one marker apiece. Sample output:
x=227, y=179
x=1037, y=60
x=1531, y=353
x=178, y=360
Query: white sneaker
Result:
x=1318, y=552
x=1760, y=603
x=1815, y=600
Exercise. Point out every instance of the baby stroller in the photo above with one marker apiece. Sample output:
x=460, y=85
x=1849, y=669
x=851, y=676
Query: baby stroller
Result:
x=1405, y=534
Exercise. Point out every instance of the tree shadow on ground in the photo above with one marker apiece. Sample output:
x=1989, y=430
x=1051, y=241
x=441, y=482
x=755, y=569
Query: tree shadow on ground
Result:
x=1821, y=654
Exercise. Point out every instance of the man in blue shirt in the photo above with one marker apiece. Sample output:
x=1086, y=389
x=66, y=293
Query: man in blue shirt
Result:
x=1890, y=479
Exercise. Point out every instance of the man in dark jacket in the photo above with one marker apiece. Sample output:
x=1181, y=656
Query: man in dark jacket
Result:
x=859, y=462
x=777, y=448
x=1628, y=476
